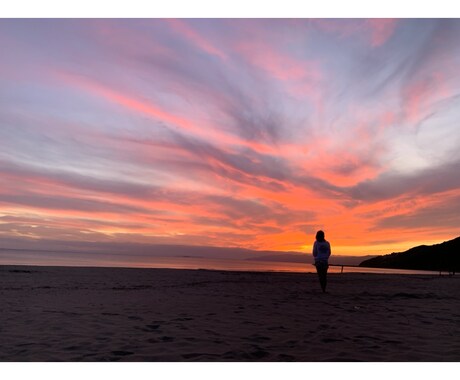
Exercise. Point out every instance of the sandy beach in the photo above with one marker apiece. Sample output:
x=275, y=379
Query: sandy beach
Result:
x=113, y=314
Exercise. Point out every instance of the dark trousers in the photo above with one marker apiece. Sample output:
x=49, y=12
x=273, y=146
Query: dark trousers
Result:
x=321, y=268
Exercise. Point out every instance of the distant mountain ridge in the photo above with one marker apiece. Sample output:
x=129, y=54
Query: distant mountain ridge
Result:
x=443, y=256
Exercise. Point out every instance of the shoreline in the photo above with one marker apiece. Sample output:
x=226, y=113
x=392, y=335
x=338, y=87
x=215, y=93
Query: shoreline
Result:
x=309, y=269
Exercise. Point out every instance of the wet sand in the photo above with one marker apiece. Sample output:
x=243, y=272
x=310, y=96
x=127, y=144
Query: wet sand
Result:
x=114, y=314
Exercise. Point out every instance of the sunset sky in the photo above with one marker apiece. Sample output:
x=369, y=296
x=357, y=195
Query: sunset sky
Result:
x=249, y=133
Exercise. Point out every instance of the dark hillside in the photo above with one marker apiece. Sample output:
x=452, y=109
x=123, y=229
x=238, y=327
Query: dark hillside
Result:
x=444, y=256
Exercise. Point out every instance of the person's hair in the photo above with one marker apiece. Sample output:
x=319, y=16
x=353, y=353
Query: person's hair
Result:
x=320, y=235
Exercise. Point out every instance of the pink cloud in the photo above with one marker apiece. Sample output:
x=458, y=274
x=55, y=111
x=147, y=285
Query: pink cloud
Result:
x=201, y=128
x=183, y=29
x=341, y=27
x=123, y=41
x=299, y=78
x=377, y=31
x=381, y=30
x=277, y=63
x=422, y=93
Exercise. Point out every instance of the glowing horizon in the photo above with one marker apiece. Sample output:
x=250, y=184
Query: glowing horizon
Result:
x=250, y=133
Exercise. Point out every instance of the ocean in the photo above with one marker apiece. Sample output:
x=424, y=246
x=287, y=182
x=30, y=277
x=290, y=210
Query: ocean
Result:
x=80, y=259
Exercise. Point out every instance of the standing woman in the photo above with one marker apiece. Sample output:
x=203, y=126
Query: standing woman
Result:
x=321, y=253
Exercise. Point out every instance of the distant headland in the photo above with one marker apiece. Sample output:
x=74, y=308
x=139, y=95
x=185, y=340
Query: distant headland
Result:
x=444, y=256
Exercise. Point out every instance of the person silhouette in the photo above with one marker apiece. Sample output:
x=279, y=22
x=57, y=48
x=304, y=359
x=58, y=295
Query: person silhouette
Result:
x=321, y=254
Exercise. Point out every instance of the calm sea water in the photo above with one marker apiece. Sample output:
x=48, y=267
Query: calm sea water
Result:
x=86, y=259
x=263, y=266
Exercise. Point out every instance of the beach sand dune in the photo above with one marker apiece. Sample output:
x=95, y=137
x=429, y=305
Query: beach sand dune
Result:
x=113, y=314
